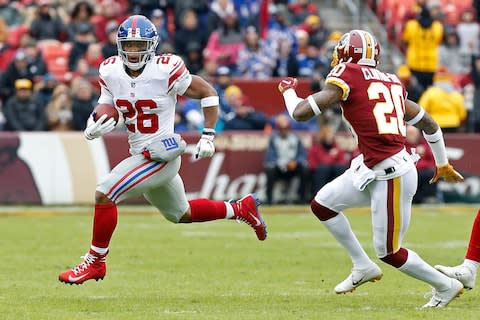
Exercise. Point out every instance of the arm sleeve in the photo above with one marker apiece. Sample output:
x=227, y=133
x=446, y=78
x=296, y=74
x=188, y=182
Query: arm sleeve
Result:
x=179, y=78
x=106, y=95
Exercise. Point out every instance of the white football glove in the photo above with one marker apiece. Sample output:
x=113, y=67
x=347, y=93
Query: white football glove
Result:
x=205, y=147
x=97, y=128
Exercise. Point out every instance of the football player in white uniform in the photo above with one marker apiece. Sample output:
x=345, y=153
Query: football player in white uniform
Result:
x=143, y=87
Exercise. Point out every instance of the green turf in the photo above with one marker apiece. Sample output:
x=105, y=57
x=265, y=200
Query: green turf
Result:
x=218, y=270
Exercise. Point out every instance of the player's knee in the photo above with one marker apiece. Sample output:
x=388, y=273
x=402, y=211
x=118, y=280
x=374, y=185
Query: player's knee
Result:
x=100, y=197
x=396, y=259
x=322, y=213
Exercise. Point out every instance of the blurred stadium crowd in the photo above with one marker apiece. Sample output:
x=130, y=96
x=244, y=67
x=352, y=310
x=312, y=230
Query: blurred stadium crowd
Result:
x=50, y=51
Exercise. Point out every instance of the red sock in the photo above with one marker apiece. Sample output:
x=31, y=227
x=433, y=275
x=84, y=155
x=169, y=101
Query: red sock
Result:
x=473, y=251
x=207, y=210
x=104, y=223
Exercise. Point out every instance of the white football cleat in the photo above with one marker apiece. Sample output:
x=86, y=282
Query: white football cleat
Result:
x=462, y=273
x=359, y=277
x=441, y=299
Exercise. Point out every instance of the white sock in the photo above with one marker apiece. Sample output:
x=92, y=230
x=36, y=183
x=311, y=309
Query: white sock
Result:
x=99, y=250
x=340, y=228
x=230, y=213
x=471, y=264
x=419, y=269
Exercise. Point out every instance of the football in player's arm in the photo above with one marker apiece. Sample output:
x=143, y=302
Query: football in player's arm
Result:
x=144, y=88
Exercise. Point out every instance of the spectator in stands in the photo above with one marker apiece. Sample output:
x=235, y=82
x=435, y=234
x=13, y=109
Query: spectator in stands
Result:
x=280, y=29
x=17, y=70
x=191, y=115
x=329, y=46
x=188, y=31
x=143, y=7
x=302, y=39
x=245, y=117
x=468, y=31
x=43, y=90
x=47, y=23
x=248, y=12
x=423, y=36
x=194, y=58
x=301, y=9
x=84, y=101
x=109, y=10
x=326, y=160
x=410, y=83
x=310, y=61
x=35, y=60
x=426, y=192
x=110, y=47
x=443, y=102
x=82, y=13
x=6, y=50
x=222, y=82
x=317, y=32
x=94, y=56
x=451, y=55
x=158, y=19
x=10, y=14
x=218, y=10
x=286, y=64
x=285, y=159
x=22, y=112
x=225, y=43
x=255, y=61
x=82, y=41
x=59, y=110
x=200, y=7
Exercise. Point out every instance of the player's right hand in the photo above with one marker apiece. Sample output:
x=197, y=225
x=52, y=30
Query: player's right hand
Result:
x=98, y=128
x=287, y=83
x=448, y=173
x=205, y=147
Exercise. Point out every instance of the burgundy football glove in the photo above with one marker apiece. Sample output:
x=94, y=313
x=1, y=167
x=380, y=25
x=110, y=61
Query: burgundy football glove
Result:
x=287, y=83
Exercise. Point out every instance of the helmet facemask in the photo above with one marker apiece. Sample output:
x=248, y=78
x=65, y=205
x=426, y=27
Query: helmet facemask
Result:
x=140, y=50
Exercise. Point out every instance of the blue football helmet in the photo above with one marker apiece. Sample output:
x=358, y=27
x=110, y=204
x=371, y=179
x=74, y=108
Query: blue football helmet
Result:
x=137, y=28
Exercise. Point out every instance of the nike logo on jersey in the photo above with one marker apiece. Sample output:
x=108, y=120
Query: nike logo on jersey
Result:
x=75, y=279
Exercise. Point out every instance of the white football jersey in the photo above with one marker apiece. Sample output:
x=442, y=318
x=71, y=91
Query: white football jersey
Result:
x=148, y=101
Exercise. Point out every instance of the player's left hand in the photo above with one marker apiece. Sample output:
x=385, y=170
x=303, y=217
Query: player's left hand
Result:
x=448, y=173
x=205, y=147
x=96, y=129
x=287, y=83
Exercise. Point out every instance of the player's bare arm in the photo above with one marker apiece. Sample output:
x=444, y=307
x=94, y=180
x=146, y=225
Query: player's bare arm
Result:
x=416, y=116
x=304, y=109
x=201, y=89
x=425, y=122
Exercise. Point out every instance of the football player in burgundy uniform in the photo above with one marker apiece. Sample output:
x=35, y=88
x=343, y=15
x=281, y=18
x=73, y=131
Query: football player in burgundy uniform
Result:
x=144, y=88
x=466, y=272
x=376, y=107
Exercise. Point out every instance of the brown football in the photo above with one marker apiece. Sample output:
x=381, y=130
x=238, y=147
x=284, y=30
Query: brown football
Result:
x=107, y=109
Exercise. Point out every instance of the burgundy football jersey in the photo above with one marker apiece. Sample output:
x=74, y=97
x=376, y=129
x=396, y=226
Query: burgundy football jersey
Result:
x=373, y=103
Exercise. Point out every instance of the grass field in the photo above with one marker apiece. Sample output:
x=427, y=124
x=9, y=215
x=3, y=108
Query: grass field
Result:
x=218, y=270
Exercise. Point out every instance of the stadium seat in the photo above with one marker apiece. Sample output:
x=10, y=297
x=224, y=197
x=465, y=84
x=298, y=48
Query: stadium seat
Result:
x=56, y=54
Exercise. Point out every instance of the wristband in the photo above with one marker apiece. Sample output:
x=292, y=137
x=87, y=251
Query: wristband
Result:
x=208, y=131
x=212, y=101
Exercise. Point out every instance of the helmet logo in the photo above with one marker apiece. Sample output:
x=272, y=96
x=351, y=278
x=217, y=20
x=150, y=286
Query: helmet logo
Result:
x=134, y=33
